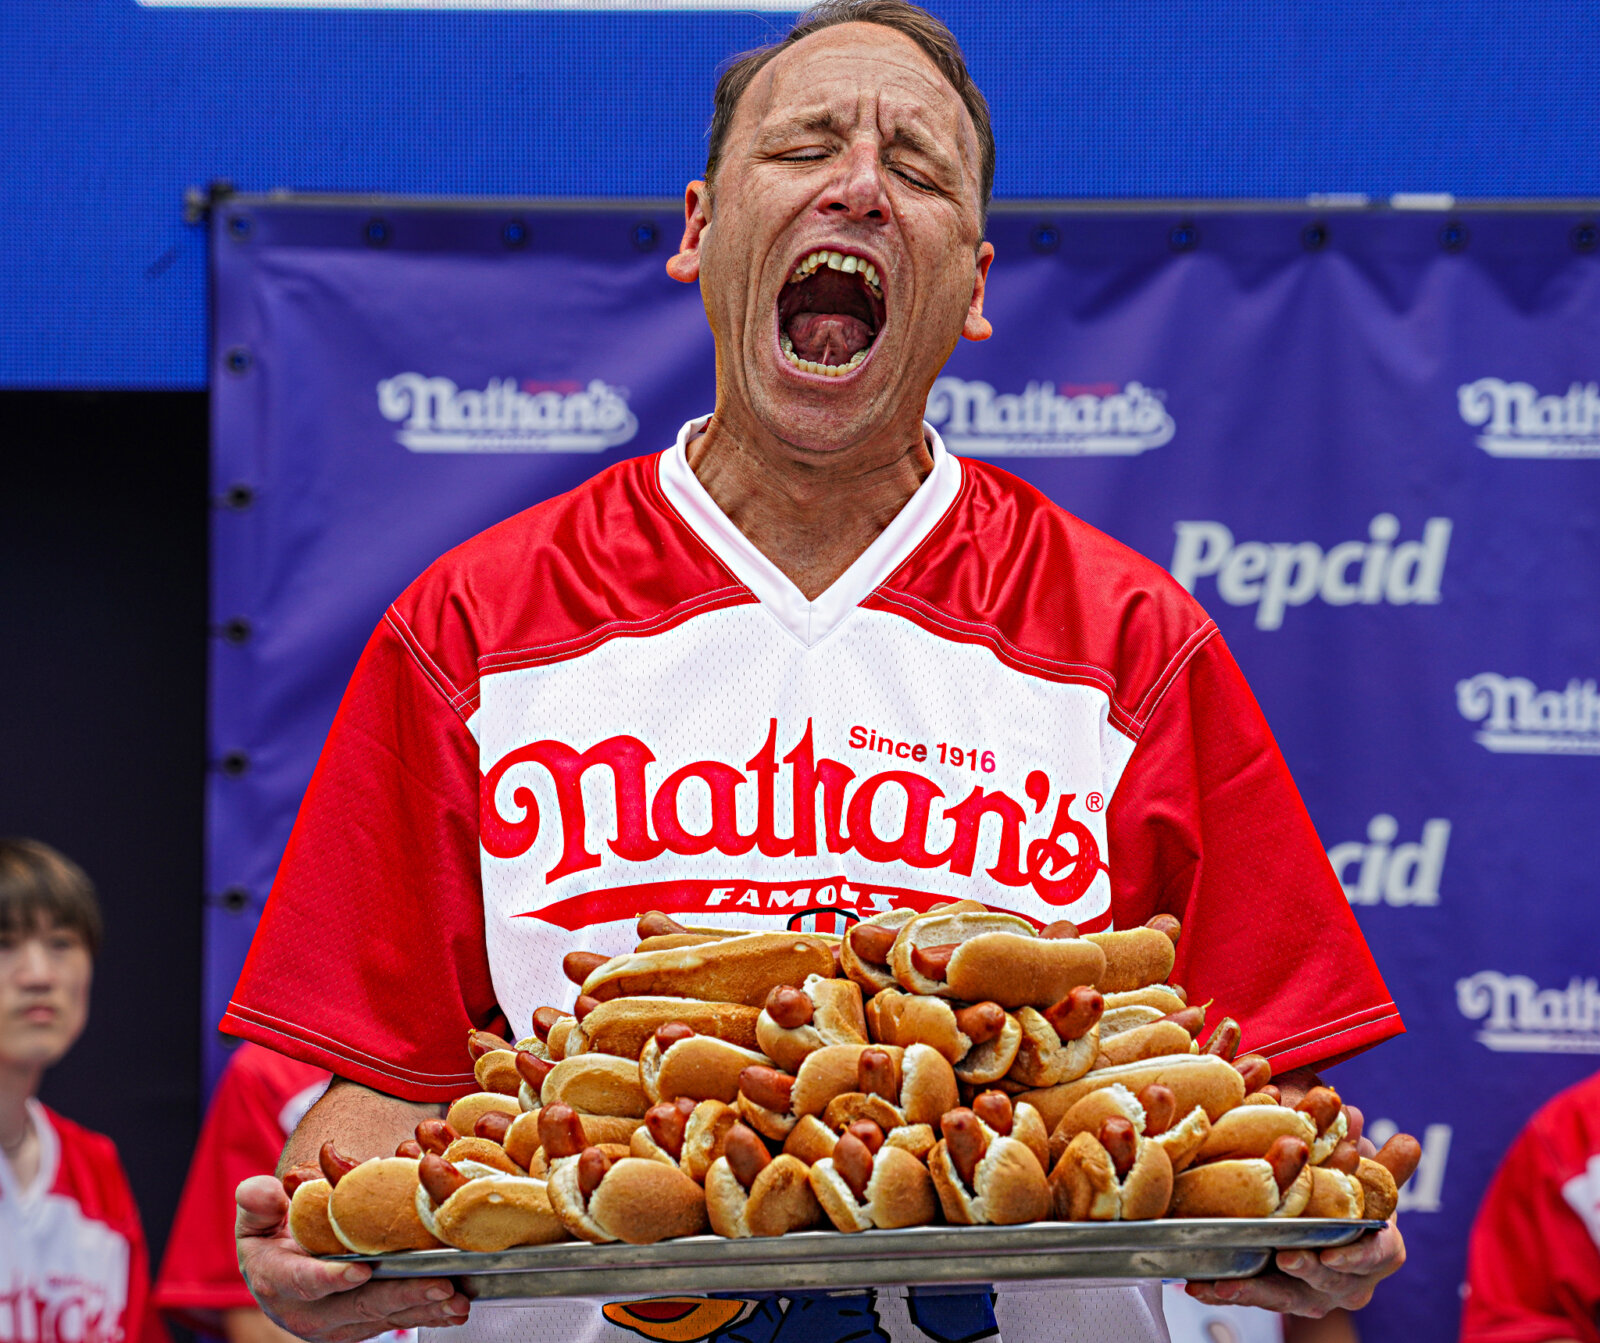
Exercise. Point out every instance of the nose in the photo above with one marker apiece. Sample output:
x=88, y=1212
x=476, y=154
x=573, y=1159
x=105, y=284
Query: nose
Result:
x=858, y=190
x=34, y=963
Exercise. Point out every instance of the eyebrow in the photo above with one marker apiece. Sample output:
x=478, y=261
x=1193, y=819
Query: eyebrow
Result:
x=824, y=120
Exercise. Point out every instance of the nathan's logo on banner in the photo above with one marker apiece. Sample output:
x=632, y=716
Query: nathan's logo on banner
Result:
x=437, y=416
x=1518, y=422
x=1423, y=1191
x=1045, y=420
x=1520, y=718
x=1057, y=855
x=1273, y=576
x=1404, y=874
x=1520, y=1017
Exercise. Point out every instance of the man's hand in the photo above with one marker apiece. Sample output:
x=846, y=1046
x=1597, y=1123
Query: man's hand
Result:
x=322, y=1301
x=1308, y=1283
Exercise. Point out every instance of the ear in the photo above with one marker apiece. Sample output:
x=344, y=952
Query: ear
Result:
x=977, y=327
x=685, y=263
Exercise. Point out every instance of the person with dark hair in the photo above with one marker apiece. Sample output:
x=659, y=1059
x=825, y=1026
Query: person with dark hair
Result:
x=73, y=1262
x=677, y=683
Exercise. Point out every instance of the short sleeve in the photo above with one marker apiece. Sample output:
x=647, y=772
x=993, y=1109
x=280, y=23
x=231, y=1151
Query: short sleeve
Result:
x=1207, y=824
x=370, y=958
x=1533, y=1273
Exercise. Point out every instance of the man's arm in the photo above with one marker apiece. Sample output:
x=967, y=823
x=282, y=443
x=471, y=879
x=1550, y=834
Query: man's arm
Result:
x=312, y=1298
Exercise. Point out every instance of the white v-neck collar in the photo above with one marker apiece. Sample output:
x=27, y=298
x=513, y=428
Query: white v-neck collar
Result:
x=810, y=622
x=49, y=1159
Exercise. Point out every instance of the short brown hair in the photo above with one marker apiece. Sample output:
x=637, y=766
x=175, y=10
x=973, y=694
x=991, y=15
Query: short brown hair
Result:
x=38, y=886
x=916, y=23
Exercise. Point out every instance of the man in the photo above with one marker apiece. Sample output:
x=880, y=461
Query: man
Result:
x=803, y=662
x=73, y=1263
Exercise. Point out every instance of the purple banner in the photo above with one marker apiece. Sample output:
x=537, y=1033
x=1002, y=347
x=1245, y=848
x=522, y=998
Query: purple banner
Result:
x=1370, y=445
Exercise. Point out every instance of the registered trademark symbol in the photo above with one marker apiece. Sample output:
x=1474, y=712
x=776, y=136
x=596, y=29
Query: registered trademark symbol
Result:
x=1094, y=802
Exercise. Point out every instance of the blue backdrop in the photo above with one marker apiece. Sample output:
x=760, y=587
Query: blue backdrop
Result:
x=1369, y=444
x=114, y=107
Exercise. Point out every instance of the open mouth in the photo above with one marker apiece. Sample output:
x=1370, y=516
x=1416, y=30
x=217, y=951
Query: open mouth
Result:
x=830, y=313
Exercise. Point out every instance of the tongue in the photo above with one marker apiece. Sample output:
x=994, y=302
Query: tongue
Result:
x=828, y=337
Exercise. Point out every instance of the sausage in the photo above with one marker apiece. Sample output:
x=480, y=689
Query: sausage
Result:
x=837, y=948
x=586, y=1004
x=981, y=1022
x=592, y=1167
x=656, y=924
x=411, y=1149
x=789, y=1007
x=747, y=1154
x=434, y=1135
x=533, y=1069
x=1078, y=1013
x=1270, y=1090
x=1160, y=1108
x=1255, y=1070
x=1345, y=1157
x=439, y=1177
x=994, y=1108
x=877, y=1075
x=1354, y=1122
x=1399, y=1156
x=1181, y=993
x=964, y=1141
x=296, y=1176
x=1192, y=1019
x=868, y=1133
x=871, y=942
x=1224, y=1041
x=579, y=965
x=561, y=1131
x=1168, y=924
x=494, y=1126
x=1321, y=1105
x=544, y=1018
x=766, y=1087
x=670, y=1033
x=853, y=1160
x=1060, y=930
x=933, y=962
x=1121, y=1143
x=1287, y=1156
x=335, y=1165
x=668, y=1122
x=480, y=1043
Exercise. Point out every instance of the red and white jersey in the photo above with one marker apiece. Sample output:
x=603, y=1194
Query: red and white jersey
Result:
x=613, y=702
x=73, y=1264
x=1533, y=1263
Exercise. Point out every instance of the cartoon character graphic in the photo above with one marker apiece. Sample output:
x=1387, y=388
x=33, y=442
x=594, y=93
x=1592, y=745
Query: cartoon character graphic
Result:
x=811, y=1317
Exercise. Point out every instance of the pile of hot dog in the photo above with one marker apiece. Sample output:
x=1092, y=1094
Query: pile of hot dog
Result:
x=958, y=1062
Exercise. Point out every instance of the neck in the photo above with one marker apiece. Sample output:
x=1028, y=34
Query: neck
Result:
x=18, y=1082
x=811, y=513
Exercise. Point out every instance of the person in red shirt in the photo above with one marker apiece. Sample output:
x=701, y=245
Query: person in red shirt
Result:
x=1533, y=1262
x=73, y=1263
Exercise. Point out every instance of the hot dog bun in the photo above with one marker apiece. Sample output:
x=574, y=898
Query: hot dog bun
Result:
x=1334, y=1194
x=622, y=1026
x=1196, y=1079
x=1242, y=1188
x=742, y=969
x=466, y=1111
x=837, y=1019
x=596, y=1084
x=638, y=1201
x=372, y=1209
x=780, y=1200
x=701, y=1067
x=1136, y=958
x=1000, y=959
x=1085, y=1186
x=1008, y=1187
x=899, y=1193
x=492, y=1213
x=1043, y=1058
x=308, y=1218
x=1251, y=1129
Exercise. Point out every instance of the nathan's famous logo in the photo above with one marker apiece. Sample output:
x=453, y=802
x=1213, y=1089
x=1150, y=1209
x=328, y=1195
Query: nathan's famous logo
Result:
x=1059, y=863
x=1047, y=420
x=437, y=416
x=1520, y=1017
x=1273, y=576
x=1520, y=718
x=1398, y=874
x=1518, y=422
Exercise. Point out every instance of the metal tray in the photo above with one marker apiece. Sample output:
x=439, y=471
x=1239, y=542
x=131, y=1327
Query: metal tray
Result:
x=929, y=1256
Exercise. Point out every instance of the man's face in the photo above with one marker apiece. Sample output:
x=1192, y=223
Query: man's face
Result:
x=44, y=993
x=849, y=143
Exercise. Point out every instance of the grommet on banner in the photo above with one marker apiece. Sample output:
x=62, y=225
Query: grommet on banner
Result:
x=1585, y=238
x=238, y=497
x=237, y=630
x=235, y=899
x=1453, y=236
x=1314, y=237
x=514, y=234
x=376, y=232
x=1045, y=238
x=239, y=227
x=237, y=360
x=644, y=236
x=1184, y=238
x=234, y=764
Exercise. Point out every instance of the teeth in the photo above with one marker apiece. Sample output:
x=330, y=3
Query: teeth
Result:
x=840, y=262
x=849, y=265
x=810, y=366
